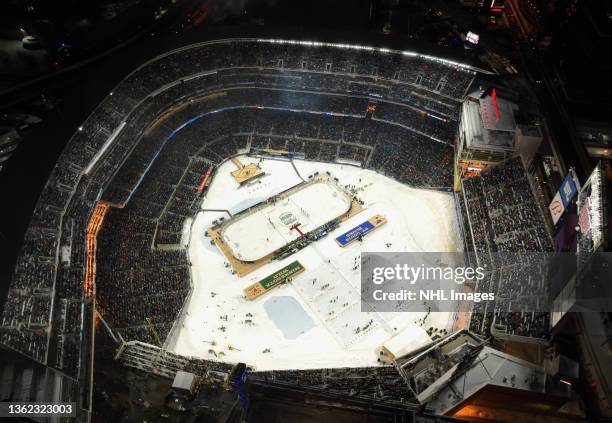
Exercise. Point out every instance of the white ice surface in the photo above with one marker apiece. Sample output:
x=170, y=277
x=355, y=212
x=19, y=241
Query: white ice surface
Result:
x=418, y=220
x=255, y=235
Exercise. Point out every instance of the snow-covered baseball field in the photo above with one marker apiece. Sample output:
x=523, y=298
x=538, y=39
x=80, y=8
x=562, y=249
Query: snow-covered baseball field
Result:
x=315, y=321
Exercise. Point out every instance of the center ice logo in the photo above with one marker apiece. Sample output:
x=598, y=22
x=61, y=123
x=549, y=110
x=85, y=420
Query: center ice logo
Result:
x=288, y=218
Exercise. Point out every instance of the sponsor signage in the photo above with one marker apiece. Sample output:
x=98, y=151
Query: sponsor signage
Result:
x=568, y=189
x=361, y=230
x=275, y=279
x=556, y=208
x=584, y=219
x=565, y=195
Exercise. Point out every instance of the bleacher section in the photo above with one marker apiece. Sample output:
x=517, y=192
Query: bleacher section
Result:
x=503, y=217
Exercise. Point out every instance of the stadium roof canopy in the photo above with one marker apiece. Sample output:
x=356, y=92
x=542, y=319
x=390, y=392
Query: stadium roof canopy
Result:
x=490, y=367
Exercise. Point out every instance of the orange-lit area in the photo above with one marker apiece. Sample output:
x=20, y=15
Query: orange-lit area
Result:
x=469, y=412
x=93, y=227
x=599, y=152
x=471, y=168
x=495, y=404
x=466, y=169
x=475, y=413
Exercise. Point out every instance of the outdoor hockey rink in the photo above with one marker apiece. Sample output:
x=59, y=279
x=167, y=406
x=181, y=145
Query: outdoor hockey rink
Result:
x=316, y=320
x=266, y=230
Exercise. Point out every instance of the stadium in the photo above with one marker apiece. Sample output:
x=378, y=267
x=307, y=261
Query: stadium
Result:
x=212, y=211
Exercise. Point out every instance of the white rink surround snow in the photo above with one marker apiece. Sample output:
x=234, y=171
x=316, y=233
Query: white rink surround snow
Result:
x=418, y=220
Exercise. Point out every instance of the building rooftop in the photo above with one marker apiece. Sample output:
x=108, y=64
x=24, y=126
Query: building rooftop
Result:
x=481, y=128
x=490, y=367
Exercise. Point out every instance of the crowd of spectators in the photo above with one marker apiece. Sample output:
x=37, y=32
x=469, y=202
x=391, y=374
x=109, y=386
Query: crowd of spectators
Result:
x=506, y=225
x=531, y=324
x=370, y=383
x=139, y=289
x=67, y=357
x=151, y=358
x=435, y=127
x=503, y=211
x=298, y=60
x=386, y=147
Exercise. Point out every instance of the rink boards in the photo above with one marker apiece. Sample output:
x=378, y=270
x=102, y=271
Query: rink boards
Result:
x=268, y=227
